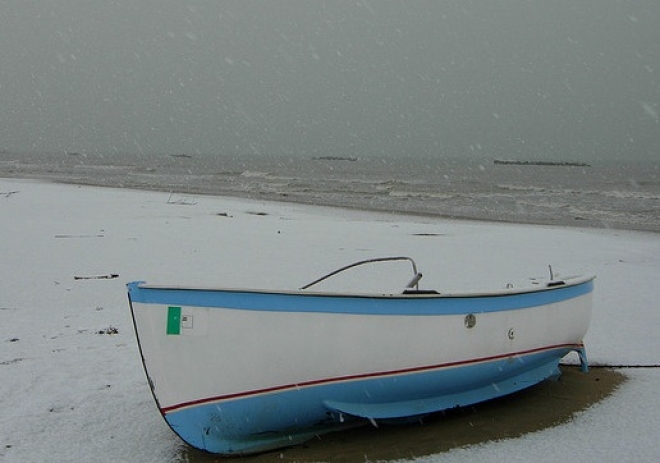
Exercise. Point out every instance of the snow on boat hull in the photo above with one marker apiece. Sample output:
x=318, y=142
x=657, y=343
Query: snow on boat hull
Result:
x=239, y=372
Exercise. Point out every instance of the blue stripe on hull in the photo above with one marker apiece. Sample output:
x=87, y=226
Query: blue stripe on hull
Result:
x=266, y=421
x=365, y=305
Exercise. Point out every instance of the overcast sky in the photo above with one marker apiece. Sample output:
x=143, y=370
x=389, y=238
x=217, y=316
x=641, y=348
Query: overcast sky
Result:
x=537, y=79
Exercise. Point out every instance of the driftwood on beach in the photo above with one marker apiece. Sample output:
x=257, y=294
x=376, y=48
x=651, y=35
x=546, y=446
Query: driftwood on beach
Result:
x=109, y=276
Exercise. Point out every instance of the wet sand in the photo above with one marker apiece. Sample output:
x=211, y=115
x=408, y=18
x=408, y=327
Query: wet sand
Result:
x=545, y=405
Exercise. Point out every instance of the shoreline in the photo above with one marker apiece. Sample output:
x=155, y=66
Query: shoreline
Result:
x=292, y=198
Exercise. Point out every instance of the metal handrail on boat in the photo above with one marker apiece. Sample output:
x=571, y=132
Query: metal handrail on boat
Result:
x=413, y=283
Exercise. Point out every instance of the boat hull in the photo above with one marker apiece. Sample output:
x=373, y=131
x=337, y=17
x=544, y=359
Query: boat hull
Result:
x=237, y=372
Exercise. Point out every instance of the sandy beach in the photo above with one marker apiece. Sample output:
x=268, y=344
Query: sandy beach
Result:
x=72, y=386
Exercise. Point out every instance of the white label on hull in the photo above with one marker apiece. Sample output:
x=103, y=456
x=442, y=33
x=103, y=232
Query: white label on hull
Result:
x=187, y=322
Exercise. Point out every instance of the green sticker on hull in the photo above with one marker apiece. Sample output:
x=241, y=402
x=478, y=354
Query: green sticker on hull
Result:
x=174, y=320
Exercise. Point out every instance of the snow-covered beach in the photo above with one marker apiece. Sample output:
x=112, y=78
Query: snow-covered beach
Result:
x=71, y=383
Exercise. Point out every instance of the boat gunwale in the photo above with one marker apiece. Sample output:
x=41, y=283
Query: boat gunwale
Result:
x=547, y=285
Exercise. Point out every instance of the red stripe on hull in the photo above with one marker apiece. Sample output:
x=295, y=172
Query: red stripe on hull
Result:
x=404, y=371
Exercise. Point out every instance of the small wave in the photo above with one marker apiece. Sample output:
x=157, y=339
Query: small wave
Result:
x=102, y=168
x=390, y=183
x=419, y=194
x=629, y=195
x=254, y=174
x=227, y=173
x=519, y=188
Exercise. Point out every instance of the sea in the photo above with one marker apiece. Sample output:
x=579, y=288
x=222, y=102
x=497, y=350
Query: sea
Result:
x=618, y=195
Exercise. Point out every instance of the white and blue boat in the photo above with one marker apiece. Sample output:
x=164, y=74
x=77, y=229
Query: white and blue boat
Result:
x=237, y=371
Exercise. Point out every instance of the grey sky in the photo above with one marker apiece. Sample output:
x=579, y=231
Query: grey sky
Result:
x=496, y=78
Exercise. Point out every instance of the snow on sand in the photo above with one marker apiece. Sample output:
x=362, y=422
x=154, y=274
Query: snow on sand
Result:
x=71, y=383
